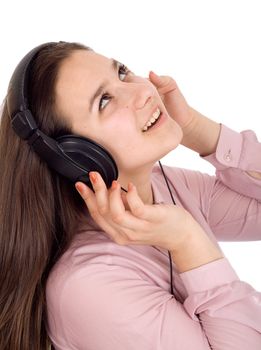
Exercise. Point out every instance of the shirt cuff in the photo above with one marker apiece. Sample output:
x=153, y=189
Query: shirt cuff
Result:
x=228, y=150
x=236, y=150
x=208, y=276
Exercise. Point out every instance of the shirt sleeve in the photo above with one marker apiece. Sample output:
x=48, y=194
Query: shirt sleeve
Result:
x=234, y=211
x=229, y=309
x=231, y=200
x=113, y=307
x=236, y=154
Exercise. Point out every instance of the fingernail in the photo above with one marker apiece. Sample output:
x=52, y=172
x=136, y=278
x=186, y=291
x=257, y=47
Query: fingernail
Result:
x=114, y=185
x=93, y=177
x=130, y=186
x=79, y=188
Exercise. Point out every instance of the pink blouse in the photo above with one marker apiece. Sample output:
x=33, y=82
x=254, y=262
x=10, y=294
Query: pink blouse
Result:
x=103, y=296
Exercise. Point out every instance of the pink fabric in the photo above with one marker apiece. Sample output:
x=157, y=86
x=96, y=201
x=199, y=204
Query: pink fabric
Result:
x=101, y=295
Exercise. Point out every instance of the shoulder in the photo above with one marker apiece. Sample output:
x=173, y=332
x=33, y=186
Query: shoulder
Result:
x=94, y=281
x=93, y=255
x=183, y=181
x=181, y=174
x=88, y=248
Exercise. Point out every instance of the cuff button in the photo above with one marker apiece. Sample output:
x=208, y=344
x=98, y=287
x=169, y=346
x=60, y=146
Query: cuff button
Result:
x=228, y=156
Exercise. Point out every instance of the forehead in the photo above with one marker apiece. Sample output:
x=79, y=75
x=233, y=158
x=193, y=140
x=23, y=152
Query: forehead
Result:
x=78, y=77
x=83, y=61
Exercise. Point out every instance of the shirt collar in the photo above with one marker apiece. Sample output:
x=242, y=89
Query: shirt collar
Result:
x=160, y=190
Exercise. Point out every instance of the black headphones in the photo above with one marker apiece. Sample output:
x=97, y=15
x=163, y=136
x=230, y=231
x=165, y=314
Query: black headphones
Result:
x=70, y=155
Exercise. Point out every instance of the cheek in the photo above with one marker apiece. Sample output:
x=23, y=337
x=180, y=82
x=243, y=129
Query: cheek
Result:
x=119, y=131
x=120, y=124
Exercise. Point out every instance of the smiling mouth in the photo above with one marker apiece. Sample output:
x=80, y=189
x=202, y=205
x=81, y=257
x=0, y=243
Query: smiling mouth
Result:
x=152, y=121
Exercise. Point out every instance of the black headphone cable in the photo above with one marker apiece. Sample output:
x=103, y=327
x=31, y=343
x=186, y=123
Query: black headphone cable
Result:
x=170, y=260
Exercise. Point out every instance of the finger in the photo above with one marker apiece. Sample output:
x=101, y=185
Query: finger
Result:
x=116, y=205
x=135, y=203
x=148, y=213
x=85, y=192
x=125, y=228
x=90, y=200
x=155, y=78
x=163, y=83
x=123, y=218
x=157, y=82
x=101, y=192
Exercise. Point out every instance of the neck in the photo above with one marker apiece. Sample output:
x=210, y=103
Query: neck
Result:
x=142, y=183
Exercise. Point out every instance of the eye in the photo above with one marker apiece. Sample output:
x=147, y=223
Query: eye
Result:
x=105, y=97
x=123, y=70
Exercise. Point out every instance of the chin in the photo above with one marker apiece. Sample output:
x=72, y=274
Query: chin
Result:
x=173, y=138
x=167, y=148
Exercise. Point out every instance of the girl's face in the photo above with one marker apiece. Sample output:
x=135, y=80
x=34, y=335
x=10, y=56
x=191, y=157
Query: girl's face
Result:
x=109, y=104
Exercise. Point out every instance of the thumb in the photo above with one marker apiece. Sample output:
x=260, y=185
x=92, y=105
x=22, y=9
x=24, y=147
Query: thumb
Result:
x=164, y=83
x=155, y=79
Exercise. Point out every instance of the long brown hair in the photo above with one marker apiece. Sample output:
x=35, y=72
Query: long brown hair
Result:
x=39, y=211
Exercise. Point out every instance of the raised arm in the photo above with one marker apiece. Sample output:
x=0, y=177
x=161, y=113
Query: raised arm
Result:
x=200, y=133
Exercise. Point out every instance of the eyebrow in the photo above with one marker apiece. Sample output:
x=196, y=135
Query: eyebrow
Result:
x=114, y=67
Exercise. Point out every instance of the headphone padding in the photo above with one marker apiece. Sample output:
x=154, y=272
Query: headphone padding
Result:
x=90, y=156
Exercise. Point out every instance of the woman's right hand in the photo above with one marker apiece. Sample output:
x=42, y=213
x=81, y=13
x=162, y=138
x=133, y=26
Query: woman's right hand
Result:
x=161, y=225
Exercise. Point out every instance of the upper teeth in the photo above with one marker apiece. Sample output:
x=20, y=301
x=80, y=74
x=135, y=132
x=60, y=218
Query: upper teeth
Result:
x=154, y=117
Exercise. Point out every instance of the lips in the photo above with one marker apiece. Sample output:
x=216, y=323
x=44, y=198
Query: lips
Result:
x=160, y=121
x=157, y=113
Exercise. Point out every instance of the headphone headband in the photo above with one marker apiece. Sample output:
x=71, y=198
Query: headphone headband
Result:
x=18, y=86
x=72, y=156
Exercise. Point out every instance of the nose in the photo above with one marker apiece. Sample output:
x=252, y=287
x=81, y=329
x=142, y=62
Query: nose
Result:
x=136, y=95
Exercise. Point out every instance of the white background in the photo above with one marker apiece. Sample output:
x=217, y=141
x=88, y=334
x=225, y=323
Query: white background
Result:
x=211, y=48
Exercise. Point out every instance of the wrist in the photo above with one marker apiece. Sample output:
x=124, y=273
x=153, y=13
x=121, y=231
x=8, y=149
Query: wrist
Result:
x=201, y=134
x=191, y=125
x=192, y=129
x=197, y=250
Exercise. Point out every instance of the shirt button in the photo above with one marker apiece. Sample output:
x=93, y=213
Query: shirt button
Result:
x=228, y=156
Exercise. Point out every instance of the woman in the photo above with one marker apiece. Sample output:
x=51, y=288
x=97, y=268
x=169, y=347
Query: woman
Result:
x=91, y=270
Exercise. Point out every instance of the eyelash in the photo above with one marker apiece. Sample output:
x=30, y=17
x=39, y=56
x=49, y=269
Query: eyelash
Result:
x=105, y=95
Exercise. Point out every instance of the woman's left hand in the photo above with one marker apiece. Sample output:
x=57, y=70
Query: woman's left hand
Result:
x=164, y=225
x=175, y=103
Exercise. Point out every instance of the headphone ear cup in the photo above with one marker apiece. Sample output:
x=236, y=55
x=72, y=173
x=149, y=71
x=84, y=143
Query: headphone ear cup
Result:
x=71, y=156
x=88, y=156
